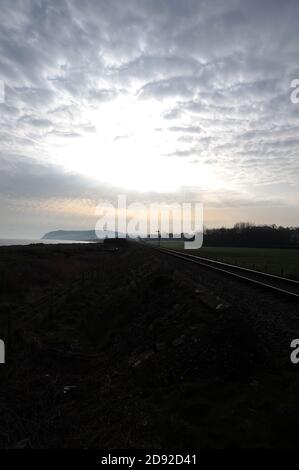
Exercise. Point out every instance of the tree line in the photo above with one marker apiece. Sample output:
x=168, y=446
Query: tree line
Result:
x=245, y=234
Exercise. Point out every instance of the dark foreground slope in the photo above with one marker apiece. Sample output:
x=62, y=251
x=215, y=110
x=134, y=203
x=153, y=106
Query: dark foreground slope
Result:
x=120, y=348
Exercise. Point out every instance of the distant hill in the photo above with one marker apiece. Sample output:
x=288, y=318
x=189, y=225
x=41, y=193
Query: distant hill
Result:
x=77, y=235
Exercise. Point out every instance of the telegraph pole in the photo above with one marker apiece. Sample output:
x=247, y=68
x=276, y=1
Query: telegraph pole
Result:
x=159, y=238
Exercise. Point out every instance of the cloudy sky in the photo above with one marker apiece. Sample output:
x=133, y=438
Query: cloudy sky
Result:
x=169, y=100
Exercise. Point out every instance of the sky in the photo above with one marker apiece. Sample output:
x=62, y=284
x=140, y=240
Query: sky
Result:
x=165, y=100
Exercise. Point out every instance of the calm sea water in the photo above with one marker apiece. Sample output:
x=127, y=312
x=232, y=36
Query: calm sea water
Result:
x=22, y=241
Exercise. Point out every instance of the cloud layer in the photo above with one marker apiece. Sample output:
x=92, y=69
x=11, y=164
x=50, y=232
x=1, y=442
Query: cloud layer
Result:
x=199, y=89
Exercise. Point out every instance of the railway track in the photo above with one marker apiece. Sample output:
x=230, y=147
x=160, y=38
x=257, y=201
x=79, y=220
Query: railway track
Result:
x=279, y=285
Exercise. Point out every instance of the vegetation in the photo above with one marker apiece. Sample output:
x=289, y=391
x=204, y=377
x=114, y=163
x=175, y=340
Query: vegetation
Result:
x=281, y=262
x=253, y=236
x=117, y=348
x=266, y=248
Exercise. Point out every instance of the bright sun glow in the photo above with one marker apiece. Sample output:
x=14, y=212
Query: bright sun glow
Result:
x=129, y=149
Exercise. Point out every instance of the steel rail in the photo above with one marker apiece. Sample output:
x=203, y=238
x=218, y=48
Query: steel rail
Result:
x=242, y=274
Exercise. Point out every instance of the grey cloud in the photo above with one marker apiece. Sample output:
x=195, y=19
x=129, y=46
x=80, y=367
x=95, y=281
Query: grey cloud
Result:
x=219, y=69
x=177, y=87
x=24, y=177
x=35, y=122
x=102, y=95
x=183, y=153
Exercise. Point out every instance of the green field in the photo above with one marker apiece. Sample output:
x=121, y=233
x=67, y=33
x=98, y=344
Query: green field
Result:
x=282, y=262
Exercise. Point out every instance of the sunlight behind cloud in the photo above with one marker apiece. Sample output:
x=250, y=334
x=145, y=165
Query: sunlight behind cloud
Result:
x=129, y=150
x=191, y=99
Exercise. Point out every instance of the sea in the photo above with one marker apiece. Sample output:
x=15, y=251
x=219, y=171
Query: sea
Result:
x=23, y=241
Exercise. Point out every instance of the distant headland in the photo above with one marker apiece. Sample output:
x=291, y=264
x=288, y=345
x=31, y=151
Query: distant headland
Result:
x=76, y=235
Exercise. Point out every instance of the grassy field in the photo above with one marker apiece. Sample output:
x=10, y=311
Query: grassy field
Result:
x=282, y=262
x=113, y=349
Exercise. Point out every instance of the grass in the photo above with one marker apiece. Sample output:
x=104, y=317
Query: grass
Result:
x=281, y=262
x=150, y=364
